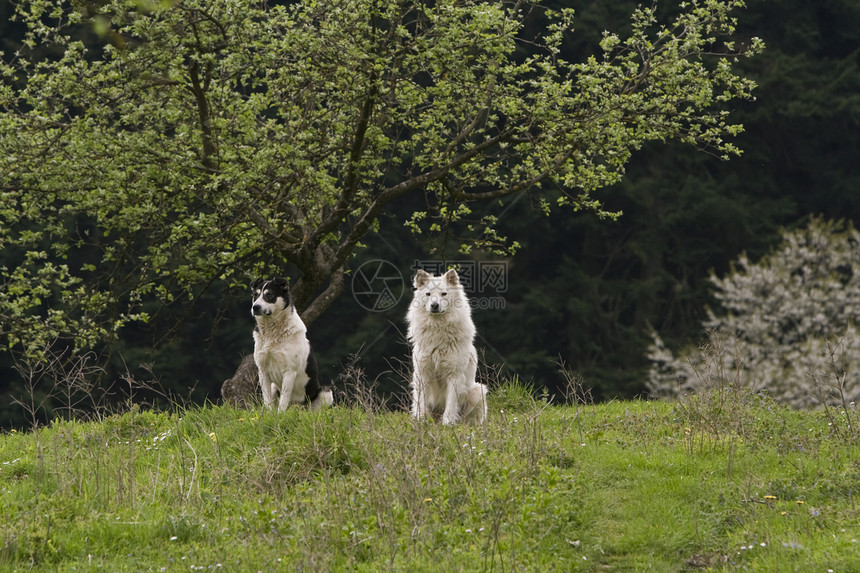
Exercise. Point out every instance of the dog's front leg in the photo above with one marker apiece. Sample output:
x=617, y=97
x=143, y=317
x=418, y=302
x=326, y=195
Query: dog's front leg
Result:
x=419, y=398
x=287, y=384
x=474, y=405
x=452, y=407
x=268, y=390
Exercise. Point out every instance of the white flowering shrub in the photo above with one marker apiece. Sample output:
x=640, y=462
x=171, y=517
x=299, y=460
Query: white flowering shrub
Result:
x=788, y=322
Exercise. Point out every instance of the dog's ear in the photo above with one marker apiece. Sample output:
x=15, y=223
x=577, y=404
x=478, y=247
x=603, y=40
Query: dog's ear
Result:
x=422, y=277
x=257, y=284
x=284, y=285
x=451, y=278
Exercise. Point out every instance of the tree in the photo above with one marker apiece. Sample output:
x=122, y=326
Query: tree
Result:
x=789, y=325
x=199, y=142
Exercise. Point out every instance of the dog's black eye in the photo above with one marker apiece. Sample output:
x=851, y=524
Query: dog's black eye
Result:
x=444, y=294
x=426, y=294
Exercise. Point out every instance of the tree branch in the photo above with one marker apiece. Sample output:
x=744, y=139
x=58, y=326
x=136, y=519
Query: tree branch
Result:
x=324, y=300
x=204, y=116
x=344, y=203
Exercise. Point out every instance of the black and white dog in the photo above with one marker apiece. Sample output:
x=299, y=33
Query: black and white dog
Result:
x=281, y=349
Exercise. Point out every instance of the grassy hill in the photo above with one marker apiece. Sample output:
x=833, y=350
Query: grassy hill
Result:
x=724, y=482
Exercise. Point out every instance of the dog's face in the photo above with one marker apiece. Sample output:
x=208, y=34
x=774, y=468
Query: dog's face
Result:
x=270, y=296
x=436, y=293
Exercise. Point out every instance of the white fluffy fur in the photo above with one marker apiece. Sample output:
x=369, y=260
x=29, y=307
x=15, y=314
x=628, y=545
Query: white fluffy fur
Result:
x=281, y=350
x=444, y=360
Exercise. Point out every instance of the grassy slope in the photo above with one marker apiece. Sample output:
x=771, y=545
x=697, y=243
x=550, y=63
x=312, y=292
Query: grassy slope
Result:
x=625, y=486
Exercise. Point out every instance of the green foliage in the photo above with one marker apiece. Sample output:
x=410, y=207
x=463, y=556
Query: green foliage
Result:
x=197, y=142
x=538, y=488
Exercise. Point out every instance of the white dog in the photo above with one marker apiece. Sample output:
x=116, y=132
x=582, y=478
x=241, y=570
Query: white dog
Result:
x=282, y=352
x=444, y=361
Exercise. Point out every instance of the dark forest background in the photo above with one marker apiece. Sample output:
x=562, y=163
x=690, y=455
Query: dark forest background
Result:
x=581, y=290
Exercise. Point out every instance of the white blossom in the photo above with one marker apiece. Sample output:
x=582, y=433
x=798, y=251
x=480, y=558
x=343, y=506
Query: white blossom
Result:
x=787, y=325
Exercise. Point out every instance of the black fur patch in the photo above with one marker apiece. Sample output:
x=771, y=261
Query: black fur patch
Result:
x=312, y=388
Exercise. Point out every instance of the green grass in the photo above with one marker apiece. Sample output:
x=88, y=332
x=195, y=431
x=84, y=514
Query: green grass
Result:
x=704, y=485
